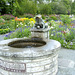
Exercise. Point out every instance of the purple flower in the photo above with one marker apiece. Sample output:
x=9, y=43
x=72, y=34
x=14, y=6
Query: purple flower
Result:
x=6, y=35
x=27, y=26
x=11, y=31
x=32, y=28
x=65, y=42
x=73, y=26
x=60, y=35
x=21, y=29
x=60, y=26
x=56, y=20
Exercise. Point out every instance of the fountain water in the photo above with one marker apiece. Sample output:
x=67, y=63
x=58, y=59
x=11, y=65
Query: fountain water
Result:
x=30, y=56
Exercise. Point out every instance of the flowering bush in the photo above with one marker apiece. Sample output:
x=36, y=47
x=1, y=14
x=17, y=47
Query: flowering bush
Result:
x=7, y=17
x=28, y=16
x=23, y=22
x=22, y=26
x=18, y=33
x=65, y=19
x=64, y=34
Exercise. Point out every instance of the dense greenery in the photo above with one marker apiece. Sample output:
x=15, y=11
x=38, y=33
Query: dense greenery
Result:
x=73, y=8
x=20, y=7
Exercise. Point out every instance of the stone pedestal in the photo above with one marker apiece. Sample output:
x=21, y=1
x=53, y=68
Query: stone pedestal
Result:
x=40, y=33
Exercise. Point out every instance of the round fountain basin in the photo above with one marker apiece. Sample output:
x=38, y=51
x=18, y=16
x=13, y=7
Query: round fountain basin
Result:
x=29, y=57
x=27, y=43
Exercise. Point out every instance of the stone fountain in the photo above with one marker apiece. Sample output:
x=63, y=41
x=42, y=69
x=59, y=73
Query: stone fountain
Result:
x=30, y=56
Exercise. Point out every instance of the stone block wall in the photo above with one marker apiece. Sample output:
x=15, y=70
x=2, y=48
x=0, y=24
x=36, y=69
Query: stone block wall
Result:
x=46, y=65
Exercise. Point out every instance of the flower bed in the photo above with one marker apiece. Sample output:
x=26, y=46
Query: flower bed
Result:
x=59, y=30
x=65, y=34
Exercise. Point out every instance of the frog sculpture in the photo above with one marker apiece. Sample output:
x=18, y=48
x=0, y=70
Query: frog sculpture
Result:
x=40, y=23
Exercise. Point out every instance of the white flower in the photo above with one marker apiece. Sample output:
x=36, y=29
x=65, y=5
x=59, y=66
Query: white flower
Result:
x=51, y=27
x=21, y=23
x=25, y=25
x=65, y=46
x=71, y=43
x=67, y=31
x=51, y=34
x=48, y=27
x=54, y=24
x=17, y=25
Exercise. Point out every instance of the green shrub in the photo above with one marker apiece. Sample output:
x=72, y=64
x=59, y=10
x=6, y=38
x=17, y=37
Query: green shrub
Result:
x=45, y=9
x=3, y=31
x=3, y=26
x=20, y=33
x=2, y=20
x=7, y=24
x=28, y=16
x=25, y=6
x=65, y=19
x=43, y=17
x=7, y=17
x=53, y=18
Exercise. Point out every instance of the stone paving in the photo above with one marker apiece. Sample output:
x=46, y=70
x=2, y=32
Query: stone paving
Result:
x=66, y=61
x=1, y=37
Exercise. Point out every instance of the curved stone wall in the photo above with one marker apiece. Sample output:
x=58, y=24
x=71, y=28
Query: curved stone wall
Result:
x=29, y=61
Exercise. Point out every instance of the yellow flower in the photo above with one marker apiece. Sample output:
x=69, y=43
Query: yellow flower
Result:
x=31, y=19
x=45, y=22
x=34, y=21
x=13, y=20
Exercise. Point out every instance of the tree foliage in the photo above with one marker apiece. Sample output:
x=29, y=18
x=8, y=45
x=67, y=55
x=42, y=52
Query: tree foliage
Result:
x=45, y=9
x=20, y=7
x=73, y=8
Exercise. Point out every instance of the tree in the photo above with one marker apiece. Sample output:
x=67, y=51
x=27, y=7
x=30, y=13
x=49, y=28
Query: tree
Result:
x=45, y=9
x=67, y=4
x=6, y=6
x=58, y=8
x=2, y=6
x=61, y=9
x=73, y=8
x=25, y=6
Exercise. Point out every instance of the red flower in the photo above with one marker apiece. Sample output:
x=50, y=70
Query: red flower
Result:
x=63, y=32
